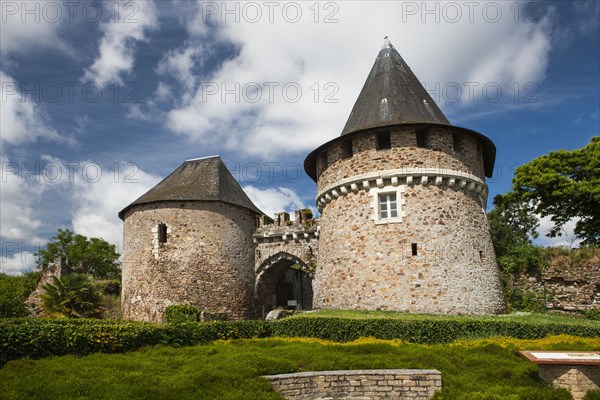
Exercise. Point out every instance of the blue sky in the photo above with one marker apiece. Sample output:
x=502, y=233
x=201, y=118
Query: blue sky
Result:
x=101, y=100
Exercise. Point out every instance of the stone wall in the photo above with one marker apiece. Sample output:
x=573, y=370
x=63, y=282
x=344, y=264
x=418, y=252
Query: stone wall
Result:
x=577, y=379
x=363, y=265
x=358, y=384
x=207, y=260
x=34, y=301
x=436, y=257
x=568, y=285
x=282, y=244
x=298, y=238
x=404, y=153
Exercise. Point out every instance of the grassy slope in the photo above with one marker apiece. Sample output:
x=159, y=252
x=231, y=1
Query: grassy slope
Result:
x=488, y=369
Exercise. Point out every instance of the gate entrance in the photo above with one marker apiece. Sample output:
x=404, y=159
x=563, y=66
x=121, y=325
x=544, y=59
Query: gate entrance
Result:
x=283, y=282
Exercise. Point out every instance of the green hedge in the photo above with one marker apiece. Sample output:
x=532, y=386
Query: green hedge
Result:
x=422, y=331
x=36, y=338
x=179, y=314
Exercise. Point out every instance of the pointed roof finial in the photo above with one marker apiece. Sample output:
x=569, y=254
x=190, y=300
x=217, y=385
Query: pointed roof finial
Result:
x=386, y=43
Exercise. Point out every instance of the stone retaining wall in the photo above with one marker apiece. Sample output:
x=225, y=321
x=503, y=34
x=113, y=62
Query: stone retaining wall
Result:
x=417, y=384
x=577, y=378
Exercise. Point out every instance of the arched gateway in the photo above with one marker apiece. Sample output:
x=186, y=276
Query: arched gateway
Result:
x=285, y=261
x=284, y=281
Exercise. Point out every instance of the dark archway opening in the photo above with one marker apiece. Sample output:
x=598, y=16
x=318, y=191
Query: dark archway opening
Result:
x=284, y=284
x=293, y=290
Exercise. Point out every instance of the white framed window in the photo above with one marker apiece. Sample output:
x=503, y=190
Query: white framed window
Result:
x=386, y=204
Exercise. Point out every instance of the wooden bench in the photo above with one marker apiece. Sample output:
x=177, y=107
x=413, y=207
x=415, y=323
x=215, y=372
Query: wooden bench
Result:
x=575, y=370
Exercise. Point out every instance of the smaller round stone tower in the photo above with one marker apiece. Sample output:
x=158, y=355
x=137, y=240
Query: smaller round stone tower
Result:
x=189, y=241
x=402, y=196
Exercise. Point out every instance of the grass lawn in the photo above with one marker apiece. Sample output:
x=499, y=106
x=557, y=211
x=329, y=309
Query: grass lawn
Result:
x=548, y=318
x=471, y=370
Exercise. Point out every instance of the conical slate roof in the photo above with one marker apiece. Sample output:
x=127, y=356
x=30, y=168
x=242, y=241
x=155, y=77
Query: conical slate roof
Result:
x=392, y=95
x=202, y=179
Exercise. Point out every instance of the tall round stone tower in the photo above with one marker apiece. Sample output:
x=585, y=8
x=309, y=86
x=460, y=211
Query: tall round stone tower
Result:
x=189, y=241
x=402, y=196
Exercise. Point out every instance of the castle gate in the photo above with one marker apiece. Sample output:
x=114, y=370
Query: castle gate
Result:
x=285, y=262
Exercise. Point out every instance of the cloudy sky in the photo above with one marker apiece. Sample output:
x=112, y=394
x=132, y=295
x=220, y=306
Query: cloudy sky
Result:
x=100, y=100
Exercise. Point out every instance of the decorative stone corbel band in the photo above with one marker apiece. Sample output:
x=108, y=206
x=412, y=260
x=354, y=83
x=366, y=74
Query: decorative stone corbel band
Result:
x=405, y=176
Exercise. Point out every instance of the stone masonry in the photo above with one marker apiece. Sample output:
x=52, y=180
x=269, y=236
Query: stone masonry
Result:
x=438, y=258
x=566, y=285
x=280, y=244
x=34, y=300
x=207, y=260
x=578, y=379
x=358, y=384
x=402, y=197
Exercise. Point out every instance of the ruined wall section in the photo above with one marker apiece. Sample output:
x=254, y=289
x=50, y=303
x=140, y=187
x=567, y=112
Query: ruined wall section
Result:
x=566, y=285
x=207, y=260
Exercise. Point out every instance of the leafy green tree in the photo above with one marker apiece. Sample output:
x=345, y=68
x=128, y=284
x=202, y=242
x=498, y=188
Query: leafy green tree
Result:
x=84, y=255
x=522, y=258
x=72, y=296
x=13, y=293
x=512, y=223
x=564, y=185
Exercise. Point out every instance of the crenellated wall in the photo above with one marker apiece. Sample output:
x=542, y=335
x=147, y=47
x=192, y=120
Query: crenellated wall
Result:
x=285, y=247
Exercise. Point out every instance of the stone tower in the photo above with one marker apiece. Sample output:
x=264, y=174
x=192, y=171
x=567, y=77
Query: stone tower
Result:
x=189, y=241
x=402, y=196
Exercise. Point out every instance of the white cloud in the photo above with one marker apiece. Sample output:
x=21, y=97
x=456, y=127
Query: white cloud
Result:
x=17, y=263
x=180, y=63
x=310, y=54
x=31, y=25
x=18, y=196
x=117, y=46
x=98, y=195
x=567, y=239
x=23, y=120
x=93, y=194
x=274, y=200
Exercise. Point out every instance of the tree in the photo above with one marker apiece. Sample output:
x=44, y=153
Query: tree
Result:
x=512, y=223
x=13, y=294
x=82, y=255
x=72, y=296
x=564, y=185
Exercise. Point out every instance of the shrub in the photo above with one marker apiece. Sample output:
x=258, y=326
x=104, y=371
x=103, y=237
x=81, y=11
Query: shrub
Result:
x=181, y=313
x=40, y=337
x=72, y=296
x=522, y=258
x=592, y=395
x=111, y=306
x=14, y=291
x=36, y=338
x=427, y=331
x=109, y=286
x=593, y=313
x=525, y=300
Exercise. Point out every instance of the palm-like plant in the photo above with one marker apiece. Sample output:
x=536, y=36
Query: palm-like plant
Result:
x=72, y=296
